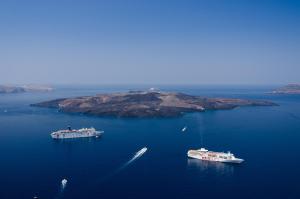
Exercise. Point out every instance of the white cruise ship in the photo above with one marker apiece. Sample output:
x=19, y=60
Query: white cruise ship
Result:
x=76, y=133
x=204, y=154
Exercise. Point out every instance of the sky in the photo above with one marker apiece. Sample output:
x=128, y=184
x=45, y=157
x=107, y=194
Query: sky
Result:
x=149, y=42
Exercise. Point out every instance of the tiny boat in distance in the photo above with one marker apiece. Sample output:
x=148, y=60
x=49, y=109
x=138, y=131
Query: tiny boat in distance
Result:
x=64, y=183
x=76, y=133
x=203, y=154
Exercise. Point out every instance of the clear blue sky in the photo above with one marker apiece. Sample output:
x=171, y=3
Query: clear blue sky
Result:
x=150, y=42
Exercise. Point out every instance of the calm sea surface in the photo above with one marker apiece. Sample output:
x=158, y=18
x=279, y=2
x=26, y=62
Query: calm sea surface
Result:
x=268, y=138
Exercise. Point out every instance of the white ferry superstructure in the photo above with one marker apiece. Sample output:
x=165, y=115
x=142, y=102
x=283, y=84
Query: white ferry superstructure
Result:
x=204, y=154
x=76, y=133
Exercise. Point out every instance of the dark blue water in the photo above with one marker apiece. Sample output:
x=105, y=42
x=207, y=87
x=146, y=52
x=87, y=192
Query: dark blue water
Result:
x=266, y=137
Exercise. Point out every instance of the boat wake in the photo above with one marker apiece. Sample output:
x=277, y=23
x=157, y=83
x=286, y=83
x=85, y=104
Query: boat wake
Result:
x=136, y=156
x=62, y=188
x=63, y=184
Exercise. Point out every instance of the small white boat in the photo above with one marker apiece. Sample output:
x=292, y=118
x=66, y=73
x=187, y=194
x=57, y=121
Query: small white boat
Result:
x=64, y=182
x=184, y=129
x=141, y=152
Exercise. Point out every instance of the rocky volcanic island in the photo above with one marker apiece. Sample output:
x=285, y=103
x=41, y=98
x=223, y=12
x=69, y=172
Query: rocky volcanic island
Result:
x=145, y=104
x=288, y=89
x=24, y=88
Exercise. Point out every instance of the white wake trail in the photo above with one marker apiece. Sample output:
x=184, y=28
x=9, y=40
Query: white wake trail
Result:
x=62, y=188
x=136, y=156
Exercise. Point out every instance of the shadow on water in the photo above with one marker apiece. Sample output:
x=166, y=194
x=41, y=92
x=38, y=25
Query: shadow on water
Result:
x=75, y=142
x=208, y=166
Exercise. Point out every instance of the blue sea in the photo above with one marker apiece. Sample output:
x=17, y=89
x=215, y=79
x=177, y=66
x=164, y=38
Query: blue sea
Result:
x=268, y=138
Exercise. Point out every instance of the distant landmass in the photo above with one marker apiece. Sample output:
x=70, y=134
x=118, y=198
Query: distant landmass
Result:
x=24, y=88
x=146, y=104
x=288, y=89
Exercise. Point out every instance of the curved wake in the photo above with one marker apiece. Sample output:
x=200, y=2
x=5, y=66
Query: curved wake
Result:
x=62, y=188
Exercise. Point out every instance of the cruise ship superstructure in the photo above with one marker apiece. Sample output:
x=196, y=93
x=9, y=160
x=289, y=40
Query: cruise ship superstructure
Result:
x=204, y=154
x=76, y=133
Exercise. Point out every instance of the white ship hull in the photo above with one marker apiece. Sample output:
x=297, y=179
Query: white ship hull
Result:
x=81, y=133
x=205, y=155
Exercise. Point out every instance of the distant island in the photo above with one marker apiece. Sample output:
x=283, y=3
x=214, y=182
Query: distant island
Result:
x=146, y=104
x=24, y=88
x=288, y=89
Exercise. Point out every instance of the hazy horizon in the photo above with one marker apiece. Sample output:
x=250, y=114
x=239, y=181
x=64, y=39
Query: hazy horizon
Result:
x=150, y=42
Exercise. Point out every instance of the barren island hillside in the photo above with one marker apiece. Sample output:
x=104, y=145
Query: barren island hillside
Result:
x=288, y=89
x=4, y=89
x=146, y=104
